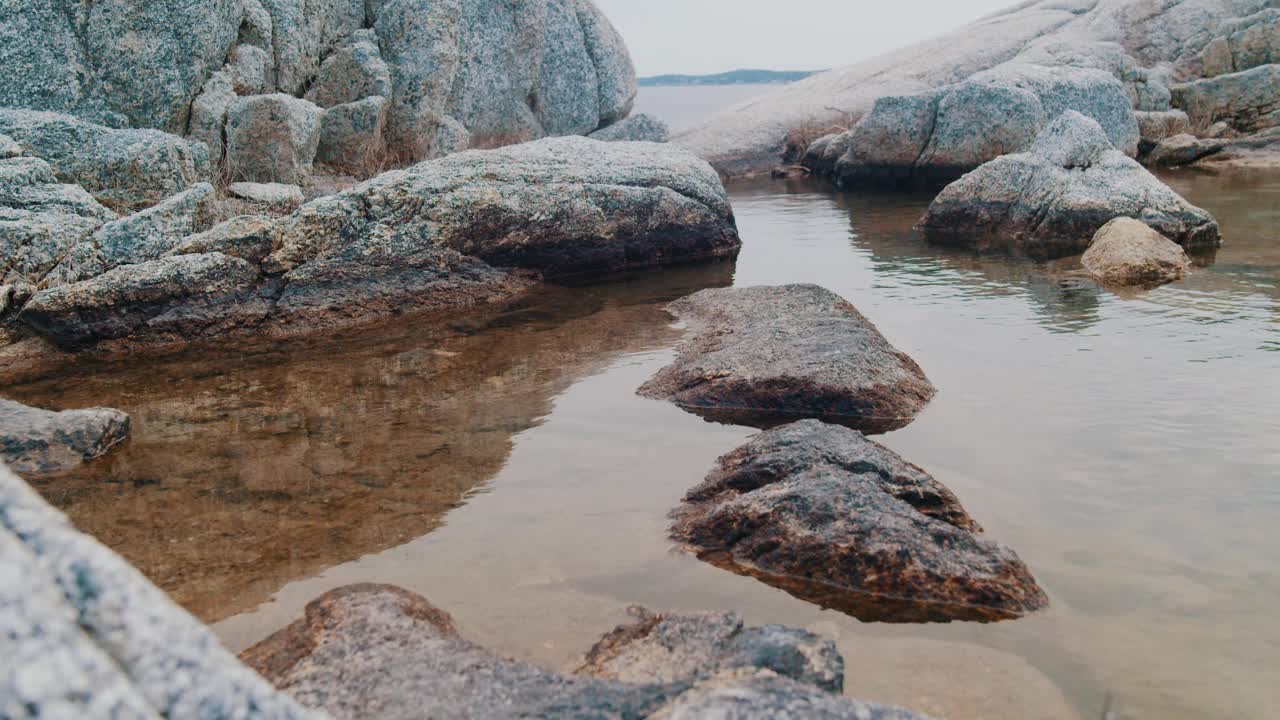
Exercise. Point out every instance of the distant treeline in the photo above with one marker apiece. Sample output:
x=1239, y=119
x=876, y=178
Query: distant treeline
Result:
x=733, y=77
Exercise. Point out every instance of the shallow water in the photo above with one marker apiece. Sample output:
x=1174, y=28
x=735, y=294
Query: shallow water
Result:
x=1126, y=447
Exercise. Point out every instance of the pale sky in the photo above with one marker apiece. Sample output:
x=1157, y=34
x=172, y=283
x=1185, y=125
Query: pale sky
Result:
x=709, y=36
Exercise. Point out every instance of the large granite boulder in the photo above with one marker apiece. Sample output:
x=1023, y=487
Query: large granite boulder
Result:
x=474, y=228
x=1050, y=201
x=351, y=136
x=374, y=651
x=272, y=138
x=1249, y=100
x=641, y=127
x=128, y=168
x=1145, y=46
x=831, y=517
x=1128, y=252
x=38, y=442
x=938, y=135
x=85, y=635
x=766, y=356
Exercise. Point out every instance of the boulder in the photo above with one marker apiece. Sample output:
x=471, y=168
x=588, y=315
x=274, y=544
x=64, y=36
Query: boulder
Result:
x=128, y=168
x=766, y=356
x=1143, y=45
x=665, y=648
x=9, y=148
x=1128, y=252
x=272, y=138
x=1155, y=127
x=276, y=196
x=1050, y=201
x=352, y=72
x=40, y=221
x=378, y=647
x=1249, y=100
x=248, y=237
x=38, y=442
x=938, y=135
x=1183, y=149
x=87, y=636
x=1243, y=43
x=831, y=517
x=209, y=116
x=351, y=136
x=176, y=298
x=637, y=128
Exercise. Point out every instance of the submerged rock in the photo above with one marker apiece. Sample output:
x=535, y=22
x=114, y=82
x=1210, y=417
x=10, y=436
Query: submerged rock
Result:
x=90, y=637
x=1050, y=201
x=1128, y=252
x=128, y=168
x=375, y=651
x=38, y=442
x=833, y=518
x=767, y=356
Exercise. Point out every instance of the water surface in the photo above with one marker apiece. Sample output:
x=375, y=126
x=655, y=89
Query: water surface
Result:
x=1126, y=446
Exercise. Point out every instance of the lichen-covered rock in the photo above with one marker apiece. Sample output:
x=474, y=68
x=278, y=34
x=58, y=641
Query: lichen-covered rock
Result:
x=831, y=517
x=376, y=646
x=248, y=237
x=762, y=695
x=1050, y=201
x=302, y=31
x=38, y=442
x=177, y=298
x=9, y=148
x=272, y=138
x=1248, y=100
x=637, y=128
x=938, y=135
x=276, y=196
x=209, y=115
x=353, y=72
x=122, y=167
x=86, y=636
x=766, y=356
x=1128, y=252
x=351, y=136
x=1243, y=43
x=663, y=648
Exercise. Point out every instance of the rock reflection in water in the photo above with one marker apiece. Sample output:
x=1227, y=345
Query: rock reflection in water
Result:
x=254, y=465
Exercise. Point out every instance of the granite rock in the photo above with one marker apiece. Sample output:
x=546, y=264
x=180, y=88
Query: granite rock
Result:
x=1128, y=252
x=38, y=442
x=272, y=138
x=639, y=128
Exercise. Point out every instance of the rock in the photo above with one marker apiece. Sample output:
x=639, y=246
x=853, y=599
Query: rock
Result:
x=661, y=648
x=302, y=31
x=1155, y=127
x=209, y=116
x=353, y=72
x=1243, y=43
x=831, y=517
x=766, y=356
x=249, y=67
x=1128, y=252
x=762, y=695
x=177, y=298
x=272, y=138
x=272, y=195
x=127, y=168
x=1050, y=201
x=39, y=442
x=149, y=234
x=560, y=206
x=351, y=136
x=91, y=637
x=938, y=135
x=1248, y=100
x=1183, y=149
x=642, y=128
x=248, y=237
x=40, y=220
x=1143, y=45
x=376, y=646
x=9, y=148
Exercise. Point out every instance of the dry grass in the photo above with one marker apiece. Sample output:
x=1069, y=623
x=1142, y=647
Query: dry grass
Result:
x=796, y=143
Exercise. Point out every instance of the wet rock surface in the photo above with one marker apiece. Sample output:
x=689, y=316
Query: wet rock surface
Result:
x=94, y=638
x=833, y=518
x=767, y=356
x=1128, y=252
x=1050, y=201
x=377, y=651
x=38, y=442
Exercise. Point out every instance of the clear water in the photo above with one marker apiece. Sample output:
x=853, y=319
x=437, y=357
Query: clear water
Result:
x=1127, y=447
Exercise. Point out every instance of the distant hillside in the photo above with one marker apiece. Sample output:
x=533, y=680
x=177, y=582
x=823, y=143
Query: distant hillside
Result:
x=733, y=77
